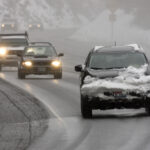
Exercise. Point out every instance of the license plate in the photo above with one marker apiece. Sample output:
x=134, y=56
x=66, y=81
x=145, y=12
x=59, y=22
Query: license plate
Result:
x=41, y=69
x=118, y=94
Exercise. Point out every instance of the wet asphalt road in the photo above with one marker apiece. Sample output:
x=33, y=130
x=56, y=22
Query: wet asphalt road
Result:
x=108, y=130
x=114, y=129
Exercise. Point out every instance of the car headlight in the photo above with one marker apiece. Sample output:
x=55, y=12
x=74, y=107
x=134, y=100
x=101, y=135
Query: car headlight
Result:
x=27, y=63
x=12, y=25
x=56, y=63
x=38, y=25
x=3, y=51
x=3, y=25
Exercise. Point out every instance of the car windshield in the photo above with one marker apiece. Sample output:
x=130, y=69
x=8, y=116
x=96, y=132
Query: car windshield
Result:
x=116, y=60
x=40, y=51
x=14, y=42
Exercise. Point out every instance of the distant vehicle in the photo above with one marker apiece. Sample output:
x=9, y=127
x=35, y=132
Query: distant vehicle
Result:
x=40, y=58
x=35, y=26
x=102, y=67
x=10, y=45
x=8, y=25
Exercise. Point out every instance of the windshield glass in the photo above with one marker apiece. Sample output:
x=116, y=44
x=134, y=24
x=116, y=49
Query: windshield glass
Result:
x=116, y=60
x=14, y=42
x=40, y=51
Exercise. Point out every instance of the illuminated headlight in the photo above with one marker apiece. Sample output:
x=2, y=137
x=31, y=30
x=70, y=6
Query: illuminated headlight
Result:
x=3, y=25
x=27, y=63
x=30, y=25
x=12, y=25
x=56, y=63
x=3, y=51
x=38, y=25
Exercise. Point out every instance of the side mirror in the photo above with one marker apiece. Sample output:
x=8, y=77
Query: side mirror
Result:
x=78, y=68
x=60, y=54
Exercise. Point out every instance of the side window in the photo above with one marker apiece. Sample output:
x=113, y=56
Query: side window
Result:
x=88, y=58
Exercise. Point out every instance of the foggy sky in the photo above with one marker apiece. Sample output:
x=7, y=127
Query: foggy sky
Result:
x=88, y=8
x=139, y=8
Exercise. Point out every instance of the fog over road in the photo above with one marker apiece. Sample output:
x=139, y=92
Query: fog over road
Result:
x=74, y=28
x=115, y=129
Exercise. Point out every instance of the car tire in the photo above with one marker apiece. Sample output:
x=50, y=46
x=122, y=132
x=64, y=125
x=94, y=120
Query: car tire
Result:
x=21, y=75
x=86, y=110
x=58, y=75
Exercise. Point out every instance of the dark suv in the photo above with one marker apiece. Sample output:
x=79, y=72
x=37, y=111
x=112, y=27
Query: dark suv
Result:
x=40, y=58
x=106, y=77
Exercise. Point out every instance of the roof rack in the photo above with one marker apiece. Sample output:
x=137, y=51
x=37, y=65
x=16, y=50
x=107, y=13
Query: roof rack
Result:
x=15, y=34
x=39, y=43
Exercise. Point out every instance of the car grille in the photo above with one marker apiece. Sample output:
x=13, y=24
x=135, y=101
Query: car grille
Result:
x=41, y=63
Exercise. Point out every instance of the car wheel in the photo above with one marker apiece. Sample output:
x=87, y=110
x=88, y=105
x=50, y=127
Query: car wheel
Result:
x=58, y=75
x=21, y=75
x=86, y=110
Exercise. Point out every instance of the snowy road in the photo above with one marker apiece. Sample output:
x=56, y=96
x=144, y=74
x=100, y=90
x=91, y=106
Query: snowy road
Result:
x=108, y=130
x=115, y=129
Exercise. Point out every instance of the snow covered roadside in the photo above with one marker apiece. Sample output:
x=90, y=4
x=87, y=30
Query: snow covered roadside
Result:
x=130, y=80
x=22, y=117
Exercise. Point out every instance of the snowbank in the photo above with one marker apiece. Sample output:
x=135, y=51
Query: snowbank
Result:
x=130, y=80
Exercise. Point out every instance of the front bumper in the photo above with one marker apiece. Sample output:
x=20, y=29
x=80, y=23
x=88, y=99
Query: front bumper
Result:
x=98, y=103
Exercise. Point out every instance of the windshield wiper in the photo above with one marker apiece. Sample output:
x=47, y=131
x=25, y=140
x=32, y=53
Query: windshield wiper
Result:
x=115, y=68
x=29, y=55
x=97, y=68
x=107, y=68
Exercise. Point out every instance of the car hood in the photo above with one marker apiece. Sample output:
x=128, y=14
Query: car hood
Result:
x=109, y=73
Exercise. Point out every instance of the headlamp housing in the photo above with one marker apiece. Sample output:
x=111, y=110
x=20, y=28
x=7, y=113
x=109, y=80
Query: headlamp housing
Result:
x=27, y=63
x=56, y=63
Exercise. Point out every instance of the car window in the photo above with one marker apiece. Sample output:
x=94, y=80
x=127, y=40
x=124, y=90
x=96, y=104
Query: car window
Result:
x=116, y=60
x=41, y=50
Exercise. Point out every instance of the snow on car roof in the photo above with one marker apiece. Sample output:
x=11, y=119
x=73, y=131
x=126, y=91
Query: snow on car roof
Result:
x=97, y=47
x=136, y=47
x=131, y=47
